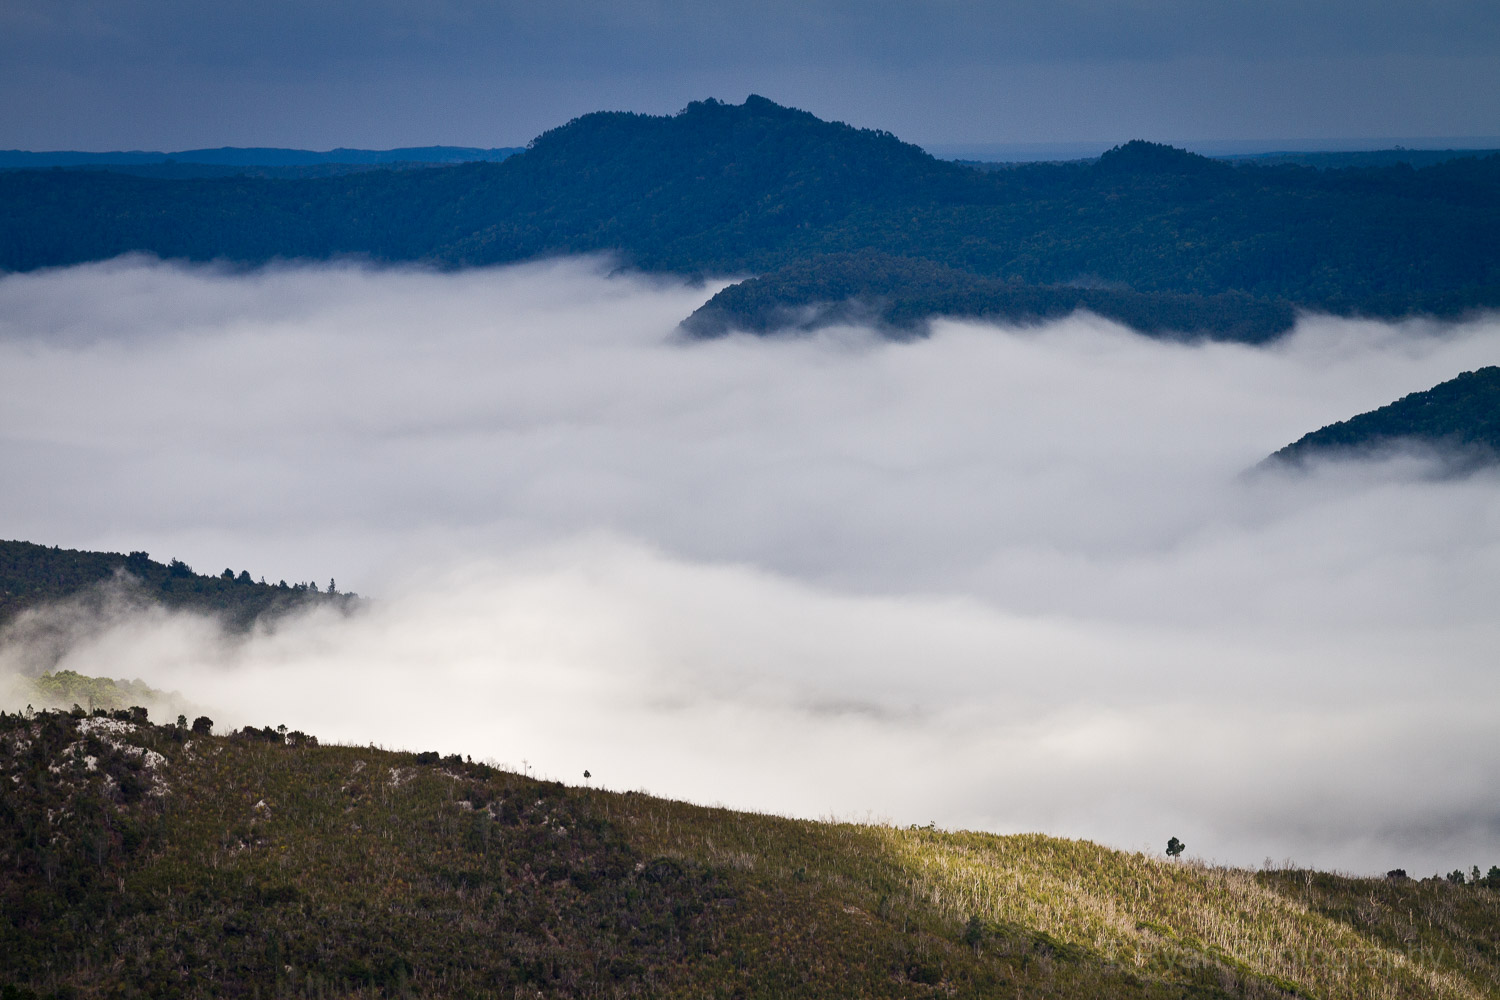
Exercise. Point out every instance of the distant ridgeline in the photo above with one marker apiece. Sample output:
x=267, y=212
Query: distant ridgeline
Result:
x=1460, y=419
x=830, y=215
x=1361, y=157
x=1323, y=160
x=232, y=161
x=33, y=574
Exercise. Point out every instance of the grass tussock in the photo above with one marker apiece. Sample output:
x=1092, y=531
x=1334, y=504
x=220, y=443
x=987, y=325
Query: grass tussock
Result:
x=141, y=860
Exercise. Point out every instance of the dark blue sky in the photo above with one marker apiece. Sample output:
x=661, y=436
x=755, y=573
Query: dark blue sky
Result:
x=173, y=74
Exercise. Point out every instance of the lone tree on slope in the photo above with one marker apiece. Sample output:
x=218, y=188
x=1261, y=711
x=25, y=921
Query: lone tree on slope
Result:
x=1175, y=847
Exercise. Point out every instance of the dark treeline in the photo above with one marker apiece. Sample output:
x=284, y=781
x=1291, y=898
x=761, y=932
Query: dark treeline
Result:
x=759, y=188
x=1361, y=157
x=32, y=574
x=173, y=170
x=232, y=161
x=254, y=156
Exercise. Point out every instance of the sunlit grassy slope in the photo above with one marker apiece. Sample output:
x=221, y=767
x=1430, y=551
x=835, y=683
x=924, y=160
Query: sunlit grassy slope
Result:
x=246, y=867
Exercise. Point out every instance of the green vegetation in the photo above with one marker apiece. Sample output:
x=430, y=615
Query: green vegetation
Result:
x=1459, y=418
x=32, y=574
x=760, y=188
x=157, y=861
x=66, y=688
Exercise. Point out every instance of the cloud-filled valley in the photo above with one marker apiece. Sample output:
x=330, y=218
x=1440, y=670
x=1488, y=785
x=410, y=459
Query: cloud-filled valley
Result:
x=1003, y=578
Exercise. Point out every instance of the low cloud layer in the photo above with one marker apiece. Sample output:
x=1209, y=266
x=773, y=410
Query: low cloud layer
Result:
x=1011, y=579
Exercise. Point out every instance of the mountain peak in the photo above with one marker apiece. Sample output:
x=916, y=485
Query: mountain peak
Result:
x=1141, y=157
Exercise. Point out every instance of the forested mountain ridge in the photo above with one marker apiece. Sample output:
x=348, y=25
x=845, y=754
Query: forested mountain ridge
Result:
x=718, y=187
x=758, y=188
x=1459, y=419
x=178, y=861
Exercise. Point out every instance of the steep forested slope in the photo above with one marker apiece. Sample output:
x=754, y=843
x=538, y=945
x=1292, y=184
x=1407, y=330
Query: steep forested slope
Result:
x=1459, y=418
x=758, y=187
x=32, y=574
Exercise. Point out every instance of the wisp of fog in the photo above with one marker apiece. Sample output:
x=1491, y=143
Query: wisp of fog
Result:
x=1000, y=578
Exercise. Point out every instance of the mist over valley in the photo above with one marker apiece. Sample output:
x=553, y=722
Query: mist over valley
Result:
x=762, y=558
x=1005, y=578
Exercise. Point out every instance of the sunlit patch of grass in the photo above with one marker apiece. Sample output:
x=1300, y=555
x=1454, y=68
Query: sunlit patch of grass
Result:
x=1154, y=914
x=1238, y=931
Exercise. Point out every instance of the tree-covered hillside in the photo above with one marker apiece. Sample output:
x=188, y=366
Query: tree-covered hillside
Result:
x=758, y=188
x=170, y=861
x=899, y=293
x=32, y=574
x=1459, y=418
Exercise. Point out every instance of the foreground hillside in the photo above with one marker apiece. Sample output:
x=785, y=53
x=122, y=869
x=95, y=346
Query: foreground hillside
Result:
x=145, y=860
x=1199, y=244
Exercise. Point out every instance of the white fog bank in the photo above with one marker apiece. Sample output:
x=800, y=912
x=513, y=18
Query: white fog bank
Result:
x=1007, y=579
